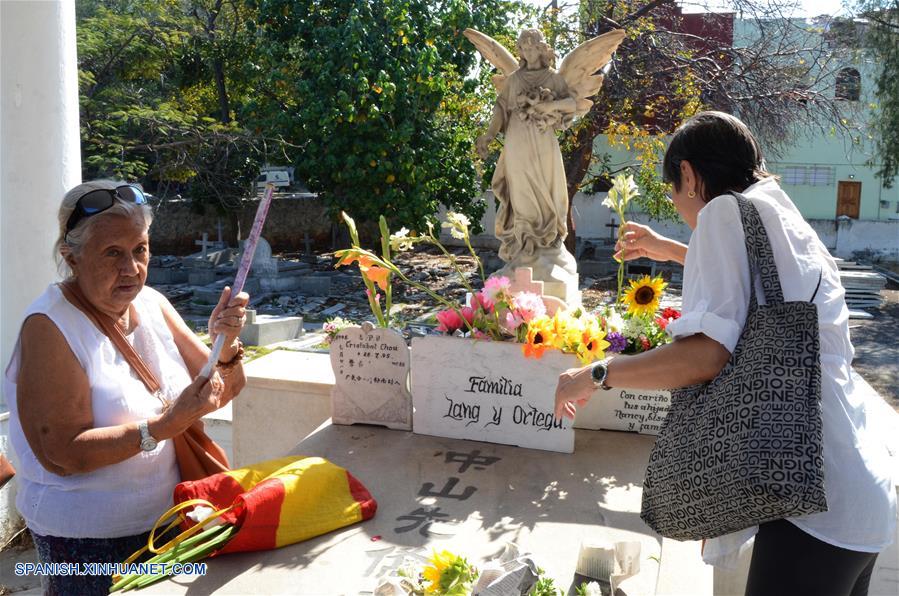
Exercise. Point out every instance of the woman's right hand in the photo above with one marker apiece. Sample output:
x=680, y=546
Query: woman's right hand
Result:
x=636, y=241
x=199, y=398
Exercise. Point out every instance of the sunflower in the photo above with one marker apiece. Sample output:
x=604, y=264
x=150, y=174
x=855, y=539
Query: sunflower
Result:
x=642, y=298
x=593, y=343
x=438, y=563
x=539, y=337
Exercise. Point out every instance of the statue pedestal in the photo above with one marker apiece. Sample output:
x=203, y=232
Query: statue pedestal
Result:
x=555, y=267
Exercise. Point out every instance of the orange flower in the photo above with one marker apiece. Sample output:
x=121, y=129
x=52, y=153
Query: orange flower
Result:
x=376, y=274
x=539, y=337
x=349, y=256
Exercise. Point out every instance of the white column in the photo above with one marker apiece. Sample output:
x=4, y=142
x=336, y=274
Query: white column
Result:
x=40, y=157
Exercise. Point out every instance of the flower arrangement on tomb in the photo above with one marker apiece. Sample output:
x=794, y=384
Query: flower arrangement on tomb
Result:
x=495, y=312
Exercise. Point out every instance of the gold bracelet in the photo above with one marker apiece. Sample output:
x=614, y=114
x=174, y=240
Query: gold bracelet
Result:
x=235, y=360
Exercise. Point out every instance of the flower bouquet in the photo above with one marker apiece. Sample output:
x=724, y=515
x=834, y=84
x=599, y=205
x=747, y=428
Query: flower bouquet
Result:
x=448, y=574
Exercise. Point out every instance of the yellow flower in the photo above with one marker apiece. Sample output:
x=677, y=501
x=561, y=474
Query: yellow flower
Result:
x=642, y=298
x=593, y=343
x=566, y=331
x=438, y=563
x=540, y=337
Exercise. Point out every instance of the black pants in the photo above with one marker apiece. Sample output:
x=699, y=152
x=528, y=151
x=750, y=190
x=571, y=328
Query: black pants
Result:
x=787, y=561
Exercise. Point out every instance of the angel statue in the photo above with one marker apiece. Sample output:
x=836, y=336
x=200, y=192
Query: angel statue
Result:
x=534, y=102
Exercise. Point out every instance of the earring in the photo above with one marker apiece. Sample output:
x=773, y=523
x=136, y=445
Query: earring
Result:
x=691, y=194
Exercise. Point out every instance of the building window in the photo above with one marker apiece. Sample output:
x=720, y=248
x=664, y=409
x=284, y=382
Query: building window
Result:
x=794, y=175
x=849, y=84
x=808, y=175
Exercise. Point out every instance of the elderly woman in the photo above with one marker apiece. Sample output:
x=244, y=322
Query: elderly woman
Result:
x=710, y=156
x=97, y=467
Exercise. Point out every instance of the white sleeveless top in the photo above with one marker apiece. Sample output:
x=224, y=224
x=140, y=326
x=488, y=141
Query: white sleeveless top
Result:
x=122, y=499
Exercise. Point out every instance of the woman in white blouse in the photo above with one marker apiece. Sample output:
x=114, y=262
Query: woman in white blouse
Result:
x=710, y=155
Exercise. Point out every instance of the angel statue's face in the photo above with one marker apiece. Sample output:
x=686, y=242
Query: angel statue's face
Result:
x=530, y=51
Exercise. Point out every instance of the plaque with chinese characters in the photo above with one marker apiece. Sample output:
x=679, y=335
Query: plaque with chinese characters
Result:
x=371, y=371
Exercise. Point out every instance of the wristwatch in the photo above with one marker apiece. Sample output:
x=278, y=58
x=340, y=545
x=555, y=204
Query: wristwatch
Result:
x=147, y=442
x=599, y=372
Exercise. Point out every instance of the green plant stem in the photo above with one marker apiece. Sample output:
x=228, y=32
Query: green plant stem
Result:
x=208, y=534
x=385, y=252
x=477, y=259
x=455, y=265
x=193, y=555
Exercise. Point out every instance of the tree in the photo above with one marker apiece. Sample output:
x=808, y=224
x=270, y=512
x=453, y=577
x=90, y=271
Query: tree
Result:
x=883, y=40
x=159, y=85
x=670, y=66
x=374, y=95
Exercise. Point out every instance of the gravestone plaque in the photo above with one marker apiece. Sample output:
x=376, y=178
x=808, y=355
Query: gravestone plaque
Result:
x=488, y=391
x=371, y=372
x=634, y=410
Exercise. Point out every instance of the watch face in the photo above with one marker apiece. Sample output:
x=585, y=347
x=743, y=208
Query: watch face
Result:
x=599, y=373
x=148, y=444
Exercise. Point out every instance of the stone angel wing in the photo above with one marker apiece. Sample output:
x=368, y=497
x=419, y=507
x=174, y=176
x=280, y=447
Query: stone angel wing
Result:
x=579, y=66
x=495, y=53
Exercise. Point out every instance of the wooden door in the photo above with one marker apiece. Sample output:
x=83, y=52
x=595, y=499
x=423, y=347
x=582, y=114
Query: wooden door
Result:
x=849, y=198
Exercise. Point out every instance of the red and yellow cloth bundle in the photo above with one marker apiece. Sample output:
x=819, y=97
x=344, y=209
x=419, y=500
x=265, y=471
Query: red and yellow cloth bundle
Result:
x=263, y=506
x=282, y=501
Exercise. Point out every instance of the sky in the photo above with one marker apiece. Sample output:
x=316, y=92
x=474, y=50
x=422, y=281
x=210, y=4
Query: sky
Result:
x=808, y=8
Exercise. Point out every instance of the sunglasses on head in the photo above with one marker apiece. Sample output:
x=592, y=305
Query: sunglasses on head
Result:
x=98, y=201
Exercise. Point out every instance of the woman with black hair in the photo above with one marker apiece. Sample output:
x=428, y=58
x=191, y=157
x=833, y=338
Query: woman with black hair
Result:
x=709, y=157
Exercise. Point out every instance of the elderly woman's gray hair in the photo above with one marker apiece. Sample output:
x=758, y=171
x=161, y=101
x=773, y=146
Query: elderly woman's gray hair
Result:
x=74, y=241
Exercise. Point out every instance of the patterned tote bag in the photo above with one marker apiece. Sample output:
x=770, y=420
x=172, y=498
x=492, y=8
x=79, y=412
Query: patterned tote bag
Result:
x=745, y=448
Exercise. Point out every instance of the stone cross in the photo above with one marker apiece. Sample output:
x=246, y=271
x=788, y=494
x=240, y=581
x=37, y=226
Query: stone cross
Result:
x=612, y=225
x=524, y=281
x=218, y=229
x=205, y=243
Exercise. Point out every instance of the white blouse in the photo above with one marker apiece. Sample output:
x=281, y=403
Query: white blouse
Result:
x=861, y=499
x=121, y=499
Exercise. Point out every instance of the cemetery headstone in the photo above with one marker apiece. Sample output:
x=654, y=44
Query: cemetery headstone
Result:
x=634, y=410
x=488, y=391
x=371, y=372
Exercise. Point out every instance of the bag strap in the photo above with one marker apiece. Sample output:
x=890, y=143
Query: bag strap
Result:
x=758, y=248
x=107, y=325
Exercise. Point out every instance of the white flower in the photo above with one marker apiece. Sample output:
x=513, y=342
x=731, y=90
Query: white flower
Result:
x=592, y=589
x=625, y=188
x=615, y=321
x=401, y=241
x=457, y=224
x=633, y=328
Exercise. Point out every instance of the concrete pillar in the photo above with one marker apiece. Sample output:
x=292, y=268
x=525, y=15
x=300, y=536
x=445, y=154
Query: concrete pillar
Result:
x=40, y=157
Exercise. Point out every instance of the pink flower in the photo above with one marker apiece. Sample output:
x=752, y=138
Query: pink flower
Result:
x=528, y=305
x=377, y=295
x=494, y=287
x=450, y=320
x=483, y=301
x=512, y=321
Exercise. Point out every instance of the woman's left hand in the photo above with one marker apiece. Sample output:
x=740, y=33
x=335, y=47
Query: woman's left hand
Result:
x=575, y=388
x=228, y=318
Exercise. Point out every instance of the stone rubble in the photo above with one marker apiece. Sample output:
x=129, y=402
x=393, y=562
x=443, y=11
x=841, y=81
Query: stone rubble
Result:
x=292, y=284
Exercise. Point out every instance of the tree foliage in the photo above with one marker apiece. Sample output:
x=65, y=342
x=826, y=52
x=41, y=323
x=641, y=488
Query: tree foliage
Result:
x=376, y=95
x=883, y=40
x=159, y=86
x=777, y=80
